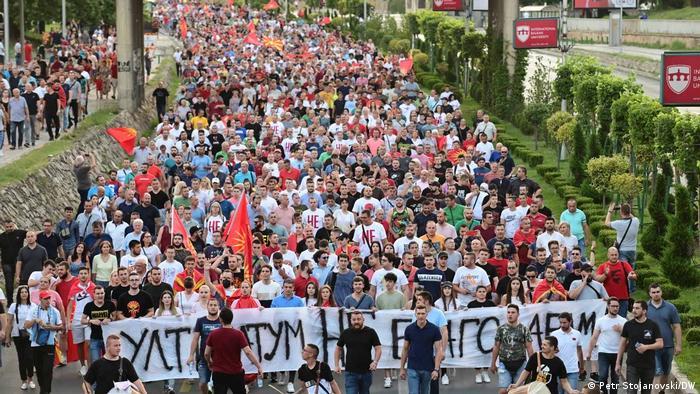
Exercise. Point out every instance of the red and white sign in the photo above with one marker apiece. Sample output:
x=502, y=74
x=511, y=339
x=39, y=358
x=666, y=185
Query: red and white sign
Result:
x=448, y=5
x=680, y=82
x=590, y=4
x=536, y=33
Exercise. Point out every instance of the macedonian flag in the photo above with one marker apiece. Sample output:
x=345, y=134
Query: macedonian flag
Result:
x=239, y=236
x=125, y=136
x=273, y=43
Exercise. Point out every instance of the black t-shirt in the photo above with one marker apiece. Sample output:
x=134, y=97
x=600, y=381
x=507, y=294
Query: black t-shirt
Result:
x=32, y=100
x=310, y=376
x=156, y=291
x=549, y=371
x=132, y=306
x=10, y=244
x=212, y=252
x=359, y=344
x=479, y=304
x=159, y=199
x=93, y=311
x=105, y=372
x=449, y=274
x=50, y=104
x=114, y=292
x=640, y=333
x=216, y=140
x=161, y=95
x=148, y=215
x=503, y=283
x=50, y=243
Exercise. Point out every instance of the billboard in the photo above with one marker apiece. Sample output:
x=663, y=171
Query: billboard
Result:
x=448, y=5
x=480, y=5
x=680, y=79
x=536, y=33
x=589, y=4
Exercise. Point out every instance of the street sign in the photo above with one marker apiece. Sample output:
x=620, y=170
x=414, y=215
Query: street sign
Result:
x=536, y=33
x=680, y=79
x=448, y=5
x=589, y=4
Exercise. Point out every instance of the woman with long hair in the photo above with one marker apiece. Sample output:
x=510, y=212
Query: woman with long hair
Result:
x=375, y=250
x=325, y=297
x=150, y=249
x=166, y=305
x=80, y=258
x=199, y=309
x=246, y=301
x=448, y=300
x=186, y=299
x=311, y=295
x=15, y=332
x=515, y=293
x=104, y=264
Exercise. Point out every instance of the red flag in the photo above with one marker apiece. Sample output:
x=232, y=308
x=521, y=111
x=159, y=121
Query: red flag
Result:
x=454, y=154
x=239, y=236
x=301, y=13
x=406, y=65
x=125, y=136
x=326, y=20
x=177, y=227
x=251, y=26
x=252, y=39
x=271, y=5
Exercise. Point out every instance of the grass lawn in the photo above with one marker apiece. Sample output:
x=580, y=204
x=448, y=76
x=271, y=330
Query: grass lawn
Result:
x=686, y=13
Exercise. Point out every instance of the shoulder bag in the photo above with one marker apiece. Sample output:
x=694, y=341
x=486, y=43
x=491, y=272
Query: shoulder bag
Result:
x=123, y=386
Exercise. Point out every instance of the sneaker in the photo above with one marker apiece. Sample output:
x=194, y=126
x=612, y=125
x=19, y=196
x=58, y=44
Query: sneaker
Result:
x=477, y=378
x=32, y=385
x=445, y=380
x=290, y=387
x=387, y=383
x=485, y=376
x=594, y=376
x=23, y=386
x=83, y=370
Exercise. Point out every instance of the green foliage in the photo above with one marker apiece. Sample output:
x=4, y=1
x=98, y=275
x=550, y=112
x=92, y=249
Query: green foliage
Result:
x=627, y=185
x=473, y=45
x=557, y=120
x=677, y=261
x=687, y=154
x=642, y=113
x=517, y=87
x=663, y=140
x=534, y=117
x=585, y=87
x=594, y=147
x=420, y=60
x=652, y=239
x=692, y=335
x=607, y=237
x=578, y=152
x=609, y=89
x=410, y=23
x=575, y=68
x=692, y=321
x=681, y=306
x=600, y=171
x=540, y=86
x=397, y=6
x=671, y=291
x=619, y=127
x=399, y=45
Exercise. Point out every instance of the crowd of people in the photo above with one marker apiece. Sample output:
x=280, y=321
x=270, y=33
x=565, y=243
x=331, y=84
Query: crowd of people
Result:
x=352, y=203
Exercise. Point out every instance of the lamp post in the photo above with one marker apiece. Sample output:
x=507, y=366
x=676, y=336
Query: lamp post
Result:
x=565, y=45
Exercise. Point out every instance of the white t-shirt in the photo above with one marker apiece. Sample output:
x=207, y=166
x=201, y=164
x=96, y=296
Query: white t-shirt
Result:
x=266, y=292
x=81, y=299
x=609, y=339
x=568, y=345
x=371, y=204
x=344, y=221
x=313, y=218
x=36, y=275
x=544, y=238
x=19, y=319
x=470, y=279
x=511, y=219
x=378, y=280
x=186, y=303
x=365, y=235
x=401, y=244
x=277, y=277
x=169, y=270
x=128, y=260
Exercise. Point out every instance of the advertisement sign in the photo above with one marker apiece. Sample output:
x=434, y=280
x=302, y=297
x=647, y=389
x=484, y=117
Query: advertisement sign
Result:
x=448, y=5
x=680, y=79
x=589, y=4
x=536, y=33
x=480, y=5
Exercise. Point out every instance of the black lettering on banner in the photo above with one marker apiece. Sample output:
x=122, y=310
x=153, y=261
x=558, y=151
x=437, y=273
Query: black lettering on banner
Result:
x=155, y=339
x=298, y=332
x=396, y=337
x=463, y=323
x=586, y=326
x=548, y=327
x=137, y=346
x=177, y=332
x=277, y=334
x=479, y=343
x=256, y=327
x=535, y=328
x=450, y=339
x=325, y=335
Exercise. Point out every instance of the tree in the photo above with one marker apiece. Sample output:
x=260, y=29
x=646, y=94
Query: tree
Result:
x=574, y=68
x=642, y=113
x=652, y=239
x=686, y=134
x=677, y=260
x=609, y=89
x=601, y=171
x=578, y=154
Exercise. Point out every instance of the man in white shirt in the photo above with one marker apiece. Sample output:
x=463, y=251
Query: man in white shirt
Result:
x=366, y=202
x=607, y=337
x=549, y=234
x=401, y=244
x=313, y=216
x=170, y=267
x=367, y=232
x=467, y=278
x=487, y=127
x=281, y=271
x=475, y=199
x=116, y=229
x=569, y=348
x=377, y=283
x=510, y=217
x=287, y=255
x=135, y=252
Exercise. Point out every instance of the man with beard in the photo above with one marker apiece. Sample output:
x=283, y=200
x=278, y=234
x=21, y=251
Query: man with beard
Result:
x=202, y=328
x=359, y=363
x=80, y=295
x=189, y=271
x=180, y=252
x=148, y=213
x=641, y=338
x=134, y=303
x=156, y=287
x=606, y=337
x=401, y=245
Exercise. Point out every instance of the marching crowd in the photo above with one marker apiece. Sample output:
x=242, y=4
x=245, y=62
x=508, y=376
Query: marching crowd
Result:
x=363, y=192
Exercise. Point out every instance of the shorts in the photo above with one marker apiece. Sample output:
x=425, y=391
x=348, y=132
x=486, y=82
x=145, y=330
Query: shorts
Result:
x=79, y=334
x=204, y=372
x=664, y=360
x=505, y=379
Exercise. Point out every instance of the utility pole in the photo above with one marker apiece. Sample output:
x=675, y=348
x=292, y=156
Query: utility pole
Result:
x=63, y=19
x=565, y=46
x=6, y=29
x=21, y=32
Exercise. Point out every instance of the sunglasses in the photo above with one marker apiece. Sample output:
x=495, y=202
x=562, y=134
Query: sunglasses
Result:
x=531, y=276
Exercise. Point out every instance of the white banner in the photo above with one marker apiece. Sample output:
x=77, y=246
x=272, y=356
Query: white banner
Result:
x=159, y=347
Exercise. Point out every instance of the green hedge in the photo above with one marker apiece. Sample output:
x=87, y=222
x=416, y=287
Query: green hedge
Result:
x=642, y=265
x=536, y=159
x=671, y=291
x=596, y=227
x=682, y=306
x=692, y=336
x=608, y=237
x=661, y=280
x=689, y=320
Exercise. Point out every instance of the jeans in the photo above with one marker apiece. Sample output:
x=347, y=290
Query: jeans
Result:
x=43, y=362
x=418, y=381
x=2, y=139
x=606, y=367
x=636, y=375
x=24, y=357
x=573, y=381
x=664, y=360
x=624, y=305
x=30, y=130
x=630, y=256
x=224, y=382
x=97, y=348
x=357, y=383
x=16, y=133
x=582, y=245
x=75, y=110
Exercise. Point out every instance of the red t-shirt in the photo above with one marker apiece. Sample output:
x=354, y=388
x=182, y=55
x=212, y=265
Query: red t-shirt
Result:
x=142, y=182
x=63, y=288
x=226, y=344
x=501, y=266
x=300, y=284
x=616, y=281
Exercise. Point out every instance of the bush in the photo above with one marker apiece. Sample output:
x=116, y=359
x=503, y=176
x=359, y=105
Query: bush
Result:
x=653, y=242
x=693, y=335
x=596, y=227
x=607, y=237
x=682, y=306
x=569, y=192
x=644, y=284
x=690, y=320
x=644, y=273
x=536, y=159
x=544, y=169
x=642, y=265
x=420, y=60
x=677, y=262
x=671, y=291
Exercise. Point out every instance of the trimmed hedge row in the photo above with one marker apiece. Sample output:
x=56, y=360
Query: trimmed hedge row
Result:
x=689, y=320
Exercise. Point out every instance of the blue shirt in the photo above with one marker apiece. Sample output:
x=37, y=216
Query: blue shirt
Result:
x=240, y=177
x=575, y=220
x=422, y=341
x=321, y=273
x=665, y=316
x=200, y=164
x=437, y=317
x=431, y=281
x=281, y=301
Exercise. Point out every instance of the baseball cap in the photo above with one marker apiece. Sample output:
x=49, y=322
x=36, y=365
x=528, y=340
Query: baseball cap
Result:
x=442, y=254
x=283, y=240
x=44, y=294
x=446, y=284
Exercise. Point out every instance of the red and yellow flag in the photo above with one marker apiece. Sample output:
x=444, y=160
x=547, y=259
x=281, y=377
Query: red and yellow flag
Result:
x=176, y=227
x=273, y=43
x=239, y=237
x=271, y=5
x=126, y=137
x=183, y=28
